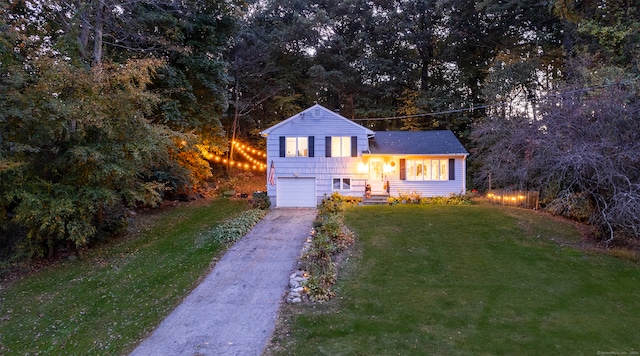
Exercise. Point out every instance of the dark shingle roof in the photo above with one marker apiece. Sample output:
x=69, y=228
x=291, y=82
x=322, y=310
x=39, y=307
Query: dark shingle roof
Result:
x=416, y=142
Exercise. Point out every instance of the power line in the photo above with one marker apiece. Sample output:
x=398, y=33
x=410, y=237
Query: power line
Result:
x=471, y=108
x=485, y=106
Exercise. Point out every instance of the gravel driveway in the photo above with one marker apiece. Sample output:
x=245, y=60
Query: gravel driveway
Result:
x=233, y=311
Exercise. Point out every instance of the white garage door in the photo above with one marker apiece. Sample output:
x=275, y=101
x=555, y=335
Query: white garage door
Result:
x=296, y=192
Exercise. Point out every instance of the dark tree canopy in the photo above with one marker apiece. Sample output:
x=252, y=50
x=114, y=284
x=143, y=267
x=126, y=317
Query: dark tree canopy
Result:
x=107, y=105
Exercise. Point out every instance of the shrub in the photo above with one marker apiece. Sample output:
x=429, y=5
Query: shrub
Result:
x=234, y=229
x=575, y=206
x=416, y=198
x=331, y=237
x=260, y=200
x=452, y=199
x=335, y=203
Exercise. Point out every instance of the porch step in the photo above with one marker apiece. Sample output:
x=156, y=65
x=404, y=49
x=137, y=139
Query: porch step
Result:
x=376, y=199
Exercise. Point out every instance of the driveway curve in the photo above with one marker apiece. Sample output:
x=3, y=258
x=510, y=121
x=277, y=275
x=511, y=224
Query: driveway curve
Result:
x=233, y=311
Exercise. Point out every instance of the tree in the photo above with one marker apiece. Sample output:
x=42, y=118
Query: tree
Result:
x=78, y=171
x=582, y=150
x=83, y=139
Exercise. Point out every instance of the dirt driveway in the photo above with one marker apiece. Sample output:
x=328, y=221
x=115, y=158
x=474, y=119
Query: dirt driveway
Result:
x=233, y=311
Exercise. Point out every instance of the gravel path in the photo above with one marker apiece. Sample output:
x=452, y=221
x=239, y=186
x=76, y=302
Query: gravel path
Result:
x=233, y=311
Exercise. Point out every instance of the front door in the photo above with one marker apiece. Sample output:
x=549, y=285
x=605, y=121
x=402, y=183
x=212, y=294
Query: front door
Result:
x=376, y=175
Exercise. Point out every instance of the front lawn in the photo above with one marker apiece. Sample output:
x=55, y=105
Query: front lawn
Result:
x=452, y=280
x=106, y=302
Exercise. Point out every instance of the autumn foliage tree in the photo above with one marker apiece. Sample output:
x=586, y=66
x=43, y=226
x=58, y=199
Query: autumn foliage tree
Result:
x=88, y=127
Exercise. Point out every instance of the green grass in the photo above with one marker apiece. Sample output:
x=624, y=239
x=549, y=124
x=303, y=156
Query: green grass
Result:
x=468, y=280
x=105, y=303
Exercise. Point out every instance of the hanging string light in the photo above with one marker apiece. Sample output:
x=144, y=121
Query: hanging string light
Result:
x=254, y=159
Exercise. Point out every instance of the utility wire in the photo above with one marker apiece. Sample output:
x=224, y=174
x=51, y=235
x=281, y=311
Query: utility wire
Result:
x=471, y=108
x=485, y=106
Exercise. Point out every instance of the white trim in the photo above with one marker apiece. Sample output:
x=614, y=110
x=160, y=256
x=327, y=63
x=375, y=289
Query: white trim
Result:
x=310, y=111
x=342, y=178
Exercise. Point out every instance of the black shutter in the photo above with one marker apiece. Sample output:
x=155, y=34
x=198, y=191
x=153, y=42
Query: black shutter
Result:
x=327, y=146
x=311, y=146
x=282, y=146
x=354, y=146
x=452, y=169
x=403, y=169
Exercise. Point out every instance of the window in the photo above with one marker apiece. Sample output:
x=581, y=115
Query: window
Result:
x=427, y=169
x=341, y=183
x=297, y=146
x=341, y=146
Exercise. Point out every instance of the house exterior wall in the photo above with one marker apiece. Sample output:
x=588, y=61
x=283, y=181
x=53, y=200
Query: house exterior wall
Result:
x=319, y=123
x=427, y=188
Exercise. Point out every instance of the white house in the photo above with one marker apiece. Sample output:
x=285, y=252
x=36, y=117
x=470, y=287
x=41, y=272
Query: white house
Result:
x=318, y=152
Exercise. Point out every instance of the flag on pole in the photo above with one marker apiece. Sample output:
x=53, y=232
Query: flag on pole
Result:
x=272, y=174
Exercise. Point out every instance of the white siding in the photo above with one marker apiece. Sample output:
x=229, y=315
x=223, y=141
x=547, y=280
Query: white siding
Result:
x=319, y=123
x=429, y=188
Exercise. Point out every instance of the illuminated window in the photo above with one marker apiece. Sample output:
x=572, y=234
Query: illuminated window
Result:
x=427, y=169
x=297, y=146
x=341, y=146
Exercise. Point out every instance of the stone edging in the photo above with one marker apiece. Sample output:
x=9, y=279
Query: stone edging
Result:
x=299, y=277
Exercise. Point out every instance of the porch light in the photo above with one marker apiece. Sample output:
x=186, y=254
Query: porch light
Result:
x=362, y=167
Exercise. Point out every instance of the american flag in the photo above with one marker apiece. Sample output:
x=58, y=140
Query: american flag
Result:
x=272, y=174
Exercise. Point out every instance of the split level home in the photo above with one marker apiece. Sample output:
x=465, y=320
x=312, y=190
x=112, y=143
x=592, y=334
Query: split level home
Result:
x=318, y=152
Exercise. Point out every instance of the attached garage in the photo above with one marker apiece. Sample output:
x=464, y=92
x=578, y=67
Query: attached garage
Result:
x=296, y=192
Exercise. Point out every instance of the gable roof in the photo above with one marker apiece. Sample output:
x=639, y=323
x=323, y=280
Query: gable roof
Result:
x=316, y=111
x=437, y=142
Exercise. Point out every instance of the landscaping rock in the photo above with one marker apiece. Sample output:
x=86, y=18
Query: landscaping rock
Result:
x=296, y=289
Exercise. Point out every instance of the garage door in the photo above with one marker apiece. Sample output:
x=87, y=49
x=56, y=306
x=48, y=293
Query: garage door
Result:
x=296, y=192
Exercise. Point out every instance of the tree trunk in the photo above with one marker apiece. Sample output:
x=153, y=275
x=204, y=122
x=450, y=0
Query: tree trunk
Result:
x=236, y=115
x=85, y=28
x=97, y=33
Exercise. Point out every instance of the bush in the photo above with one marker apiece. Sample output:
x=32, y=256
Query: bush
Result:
x=335, y=204
x=453, y=199
x=572, y=205
x=331, y=237
x=416, y=198
x=317, y=262
x=260, y=200
x=234, y=229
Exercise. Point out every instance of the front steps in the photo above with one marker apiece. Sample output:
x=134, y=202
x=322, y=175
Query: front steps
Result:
x=376, y=199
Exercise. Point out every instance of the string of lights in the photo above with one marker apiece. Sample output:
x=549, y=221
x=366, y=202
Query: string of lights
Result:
x=254, y=159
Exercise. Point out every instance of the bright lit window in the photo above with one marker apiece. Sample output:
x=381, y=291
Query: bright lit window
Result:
x=341, y=183
x=341, y=146
x=297, y=146
x=427, y=169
